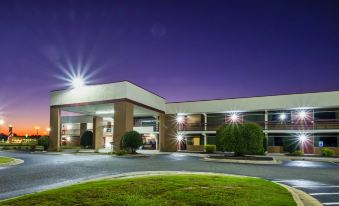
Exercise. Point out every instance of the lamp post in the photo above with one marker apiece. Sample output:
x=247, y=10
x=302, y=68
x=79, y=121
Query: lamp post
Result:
x=1, y=123
x=37, y=130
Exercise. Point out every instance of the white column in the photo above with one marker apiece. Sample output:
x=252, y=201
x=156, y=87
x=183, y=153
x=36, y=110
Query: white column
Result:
x=266, y=119
x=205, y=138
x=205, y=121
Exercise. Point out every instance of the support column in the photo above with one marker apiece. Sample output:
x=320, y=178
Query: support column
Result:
x=83, y=128
x=167, y=133
x=266, y=120
x=205, y=139
x=123, y=122
x=98, y=133
x=205, y=121
x=266, y=128
x=55, y=125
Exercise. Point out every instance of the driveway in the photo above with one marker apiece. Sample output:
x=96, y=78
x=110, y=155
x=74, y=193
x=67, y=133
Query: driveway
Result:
x=44, y=171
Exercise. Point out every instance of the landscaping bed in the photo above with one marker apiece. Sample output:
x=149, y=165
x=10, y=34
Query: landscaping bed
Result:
x=181, y=189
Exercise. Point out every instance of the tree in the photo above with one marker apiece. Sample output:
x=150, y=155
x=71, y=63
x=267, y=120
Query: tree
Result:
x=44, y=141
x=131, y=140
x=87, y=139
x=254, y=137
x=242, y=139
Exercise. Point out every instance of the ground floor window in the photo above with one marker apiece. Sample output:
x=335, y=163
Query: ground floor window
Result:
x=149, y=141
x=326, y=140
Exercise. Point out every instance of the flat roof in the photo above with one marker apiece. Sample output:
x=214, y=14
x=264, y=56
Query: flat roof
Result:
x=126, y=90
x=107, y=93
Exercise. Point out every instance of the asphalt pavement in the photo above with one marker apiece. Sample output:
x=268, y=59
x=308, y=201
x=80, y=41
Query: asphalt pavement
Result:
x=42, y=171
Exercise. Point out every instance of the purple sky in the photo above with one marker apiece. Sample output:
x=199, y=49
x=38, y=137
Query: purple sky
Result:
x=182, y=50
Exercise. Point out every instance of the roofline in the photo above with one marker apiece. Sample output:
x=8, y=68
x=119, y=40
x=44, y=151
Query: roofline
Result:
x=108, y=102
x=57, y=90
x=206, y=100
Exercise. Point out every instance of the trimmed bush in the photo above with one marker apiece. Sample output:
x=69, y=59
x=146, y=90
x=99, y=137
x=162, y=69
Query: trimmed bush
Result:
x=131, y=141
x=326, y=152
x=87, y=139
x=210, y=148
x=44, y=141
x=121, y=152
x=297, y=153
x=242, y=139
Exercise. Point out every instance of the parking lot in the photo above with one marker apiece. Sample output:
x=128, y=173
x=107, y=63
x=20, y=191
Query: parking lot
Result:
x=45, y=171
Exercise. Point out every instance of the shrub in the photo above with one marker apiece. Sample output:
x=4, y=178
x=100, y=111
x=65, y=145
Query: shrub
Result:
x=297, y=153
x=87, y=139
x=121, y=152
x=131, y=141
x=210, y=148
x=253, y=137
x=326, y=152
x=242, y=139
x=44, y=141
x=230, y=138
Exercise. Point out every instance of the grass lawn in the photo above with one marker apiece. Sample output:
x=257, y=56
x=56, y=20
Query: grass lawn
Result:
x=164, y=190
x=4, y=160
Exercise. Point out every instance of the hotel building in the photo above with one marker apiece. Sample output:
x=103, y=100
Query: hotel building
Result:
x=110, y=110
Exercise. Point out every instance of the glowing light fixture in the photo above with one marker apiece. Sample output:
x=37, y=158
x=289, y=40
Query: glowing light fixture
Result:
x=302, y=138
x=2, y=122
x=234, y=117
x=105, y=112
x=48, y=129
x=77, y=82
x=180, y=137
x=68, y=138
x=282, y=117
x=180, y=119
x=302, y=114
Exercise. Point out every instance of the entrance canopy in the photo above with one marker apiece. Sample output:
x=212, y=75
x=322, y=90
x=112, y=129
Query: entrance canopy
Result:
x=100, y=96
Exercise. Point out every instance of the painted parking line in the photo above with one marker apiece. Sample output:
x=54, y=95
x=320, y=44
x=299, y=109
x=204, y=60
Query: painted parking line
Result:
x=324, y=193
x=330, y=203
x=317, y=186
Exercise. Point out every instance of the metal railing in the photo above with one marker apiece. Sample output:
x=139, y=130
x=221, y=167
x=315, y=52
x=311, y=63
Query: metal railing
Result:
x=269, y=125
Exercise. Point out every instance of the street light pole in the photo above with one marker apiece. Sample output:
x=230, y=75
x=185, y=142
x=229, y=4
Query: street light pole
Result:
x=37, y=131
x=1, y=123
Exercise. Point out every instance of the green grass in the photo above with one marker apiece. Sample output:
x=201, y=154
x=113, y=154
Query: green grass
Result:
x=4, y=160
x=164, y=190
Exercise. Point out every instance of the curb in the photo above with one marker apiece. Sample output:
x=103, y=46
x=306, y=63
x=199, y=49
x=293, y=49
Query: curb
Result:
x=131, y=156
x=301, y=158
x=301, y=197
x=263, y=162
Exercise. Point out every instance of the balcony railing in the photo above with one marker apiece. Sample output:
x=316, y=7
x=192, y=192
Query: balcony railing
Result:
x=311, y=125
